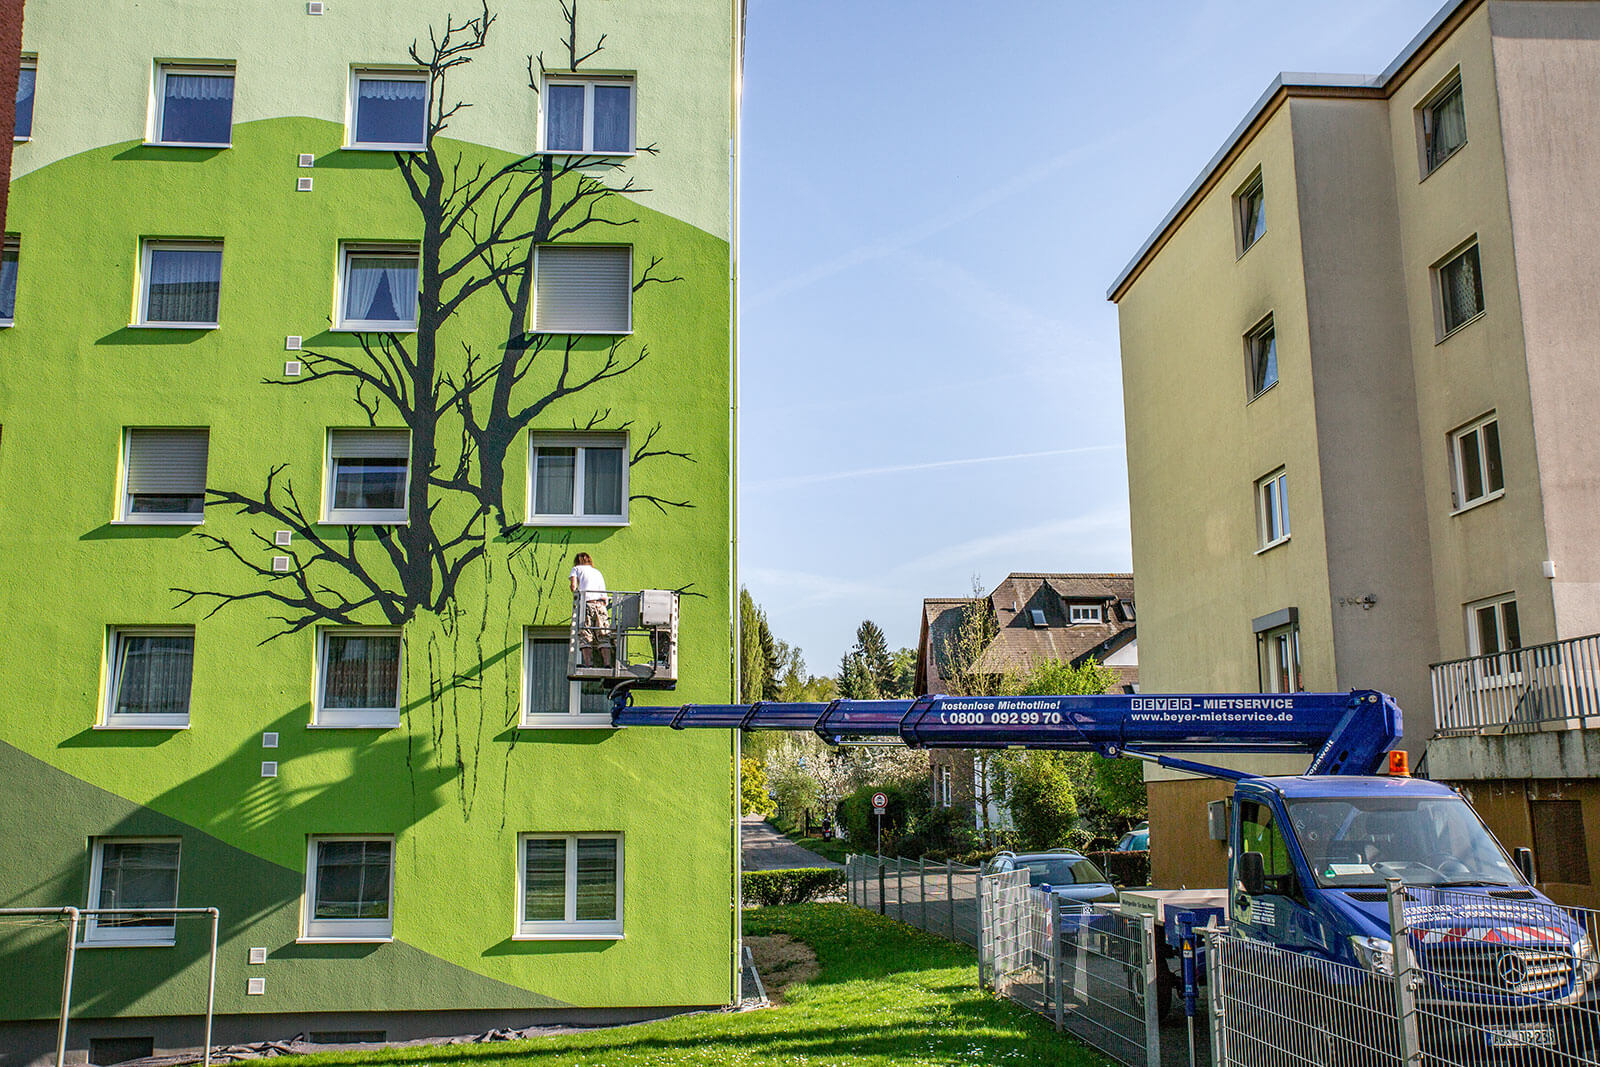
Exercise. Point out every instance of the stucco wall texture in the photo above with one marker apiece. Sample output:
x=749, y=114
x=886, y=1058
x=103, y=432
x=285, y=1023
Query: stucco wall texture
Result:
x=458, y=780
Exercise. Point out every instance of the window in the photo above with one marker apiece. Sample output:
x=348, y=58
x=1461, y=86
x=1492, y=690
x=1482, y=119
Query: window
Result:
x=549, y=698
x=1261, y=357
x=1444, y=124
x=579, y=479
x=349, y=889
x=1037, y=615
x=583, y=289
x=25, y=82
x=1250, y=204
x=368, y=476
x=194, y=105
x=1258, y=832
x=8, y=281
x=132, y=872
x=570, y=885
x=946, y=797
x=389, y=109
x=1492, y=626
x=379, y=287
x=148, y=676
x=1475, y=463
x=1079, y=613
x=358, y=674
x=1279, y=652
x=1272, y=508
x=1460, y=289
x=182, y=280
x=164, y=476
x=593, y=116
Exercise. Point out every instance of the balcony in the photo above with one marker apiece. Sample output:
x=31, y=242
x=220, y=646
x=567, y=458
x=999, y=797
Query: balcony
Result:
x=1550, y=687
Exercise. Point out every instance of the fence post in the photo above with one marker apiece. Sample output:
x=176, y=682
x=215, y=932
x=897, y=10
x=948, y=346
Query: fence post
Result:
x=982, y=923
x=922, y=888
x=66, y=985
x=950, y=896
x=1219, y=1017
x=882, y=908
x=1056, y=961
x=1404, y=999
x=1152, y=1022
x=900, y=889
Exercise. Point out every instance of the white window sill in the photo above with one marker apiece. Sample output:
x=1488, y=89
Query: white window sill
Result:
x=187, y=144
x=157, y=520
x=383, y=148
x=1261, y=394
x=6, y=324
x=1269, y=546
x=308, y=940
x=170, y=724
x=566, y=936
x=21, y=140
x=375, y=327
x=574, y=520
x=591, y=154
x=358, y=724
x=566, y=722
x=172, y=325
x=99, y=942
x=584, y=333
x=1478, y=503
x=1445, y=337
x=365, y=518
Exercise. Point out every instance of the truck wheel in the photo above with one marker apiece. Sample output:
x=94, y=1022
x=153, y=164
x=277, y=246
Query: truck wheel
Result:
x=1165, y=985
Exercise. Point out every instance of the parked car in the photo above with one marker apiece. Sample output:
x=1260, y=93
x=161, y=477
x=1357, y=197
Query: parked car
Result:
x=1136, y=840
x=1071, y=876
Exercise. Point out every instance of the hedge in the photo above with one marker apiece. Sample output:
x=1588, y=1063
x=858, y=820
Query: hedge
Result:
x=1124, y=868
x=799, y=886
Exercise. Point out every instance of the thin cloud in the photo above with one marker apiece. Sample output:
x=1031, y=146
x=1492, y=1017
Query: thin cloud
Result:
x=905, y=468
x=1080, y=536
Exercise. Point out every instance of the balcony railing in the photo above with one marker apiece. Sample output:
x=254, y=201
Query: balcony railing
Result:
x=1542, y=687
x=633, y=639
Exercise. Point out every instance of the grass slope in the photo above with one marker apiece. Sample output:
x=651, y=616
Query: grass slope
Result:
x=888, y=996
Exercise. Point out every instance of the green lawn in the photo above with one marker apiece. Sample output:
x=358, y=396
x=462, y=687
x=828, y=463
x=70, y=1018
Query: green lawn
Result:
x=887, y=996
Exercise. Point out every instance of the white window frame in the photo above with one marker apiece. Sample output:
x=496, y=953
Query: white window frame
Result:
x=355, y=718
x=1271, y=643
x=1253, y=186
x=944, y=784
x=147, y=246
x=1443, y=331
x=126, y=515
x=569, y=929
x=317, y=931
x=112, y=670
x=158, y=103
x=1272, y=509
x=1426, y=121
x=539, y=328
x=13, y=243
x=353, y=99
x=580, y=442
x=361, y=516
x=1458, y=471
x=589, y=82
x=574, y=717
x=97, y=935
x=1078, y=614
x=357, y=248
x=29, y=62
x=1474, y=642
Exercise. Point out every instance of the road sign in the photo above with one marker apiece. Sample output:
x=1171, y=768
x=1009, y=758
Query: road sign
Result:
x=880, y=802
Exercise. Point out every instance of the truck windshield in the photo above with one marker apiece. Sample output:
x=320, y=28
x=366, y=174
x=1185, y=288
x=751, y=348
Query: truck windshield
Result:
x=1360, y=841
x=1068, y=870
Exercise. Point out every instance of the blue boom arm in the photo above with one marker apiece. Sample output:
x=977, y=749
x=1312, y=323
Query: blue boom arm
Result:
x=1344, y=733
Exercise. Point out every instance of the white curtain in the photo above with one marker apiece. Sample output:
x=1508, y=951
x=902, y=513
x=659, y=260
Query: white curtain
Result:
x=366, y=281
x=392, y=89
x=602, y=481
x=612, y=113
x=555, y=472
x=363, y=671
x=549, y=692
x=563, y=131
x=154, y=675
x=199, y=87
x=183, y=285
x=1450, y=126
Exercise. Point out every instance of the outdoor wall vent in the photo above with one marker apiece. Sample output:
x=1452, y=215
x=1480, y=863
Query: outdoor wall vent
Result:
x=280, y=564
x=291, y=368
x=292, y=342
x=282, y=538
x=258, y=955
x=269, y=768
x=255, y=987
x=307, y=159
x=302, y=185
x=269, y=739
x=313, y=7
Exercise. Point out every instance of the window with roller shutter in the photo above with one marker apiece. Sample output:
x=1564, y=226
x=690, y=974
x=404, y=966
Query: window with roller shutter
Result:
x=368, y=476
x=164, y=476
x=583, y=289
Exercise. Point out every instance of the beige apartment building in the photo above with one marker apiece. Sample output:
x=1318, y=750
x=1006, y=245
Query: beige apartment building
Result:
x=1361, y=368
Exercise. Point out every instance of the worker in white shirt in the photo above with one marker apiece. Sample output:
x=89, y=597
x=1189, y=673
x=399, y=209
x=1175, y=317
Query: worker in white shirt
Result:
x=589, y=586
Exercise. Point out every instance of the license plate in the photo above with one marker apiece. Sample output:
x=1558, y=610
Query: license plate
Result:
x=1522, y=1037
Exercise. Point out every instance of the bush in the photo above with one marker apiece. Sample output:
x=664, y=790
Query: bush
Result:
x=861, y=825
x=1124, y=868
x=1041, y=800
x=771, y=888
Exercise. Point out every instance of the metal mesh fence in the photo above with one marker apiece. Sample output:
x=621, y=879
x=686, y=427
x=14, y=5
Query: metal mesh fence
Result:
x=941, y=898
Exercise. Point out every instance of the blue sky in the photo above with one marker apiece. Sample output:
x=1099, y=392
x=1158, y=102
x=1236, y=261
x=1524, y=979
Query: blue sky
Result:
x=936, y=196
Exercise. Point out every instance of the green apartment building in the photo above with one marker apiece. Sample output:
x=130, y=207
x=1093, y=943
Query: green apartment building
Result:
x=332, y=334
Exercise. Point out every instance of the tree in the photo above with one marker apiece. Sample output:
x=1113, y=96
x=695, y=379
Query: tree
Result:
x=855, y=680
x=752, y=660
x=753, y=788
x=905, y=672
x=770, y=663
x=1040, y=795
x=872, y=650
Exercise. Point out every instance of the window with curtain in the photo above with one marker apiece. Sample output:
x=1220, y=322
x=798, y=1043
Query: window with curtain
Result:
x=1251, y=204
x=571, y=886
x=360, y=677
x=351, y=888
x=1272, y=508
x=151, y=673
x=164, y=476
x=583, y=289
x=133, y=873
x=8, y=280
x=579, y=478
x=196, y=105
x=380, y=288
x=389, y=110
x=551, y=699
x=368, y=475
x=25, y=81
x=1444, y=124
x=1261, y=350
x=1475, y=452
x=182, y=281
x=1460, y=289
x=588, y=115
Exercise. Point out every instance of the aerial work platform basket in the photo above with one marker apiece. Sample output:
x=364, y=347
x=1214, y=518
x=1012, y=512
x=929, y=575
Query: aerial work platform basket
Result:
x=634, y=640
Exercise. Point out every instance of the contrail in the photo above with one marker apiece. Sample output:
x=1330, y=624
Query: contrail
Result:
x=868, y=472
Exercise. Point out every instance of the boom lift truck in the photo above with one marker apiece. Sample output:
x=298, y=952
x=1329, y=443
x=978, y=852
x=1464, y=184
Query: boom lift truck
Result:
x=1309, y=855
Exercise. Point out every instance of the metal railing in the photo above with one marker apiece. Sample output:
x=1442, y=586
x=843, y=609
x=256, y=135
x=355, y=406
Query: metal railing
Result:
x=1554, y=686
x=941, y=898
x=620, y=636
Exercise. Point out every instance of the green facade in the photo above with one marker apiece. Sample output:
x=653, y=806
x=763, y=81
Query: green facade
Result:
x=459, y=779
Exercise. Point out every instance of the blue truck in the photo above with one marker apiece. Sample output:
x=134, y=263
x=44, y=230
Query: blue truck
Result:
x=1310, y=856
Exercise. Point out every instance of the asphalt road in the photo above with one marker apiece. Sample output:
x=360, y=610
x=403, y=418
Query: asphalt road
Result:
x=764, y=849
